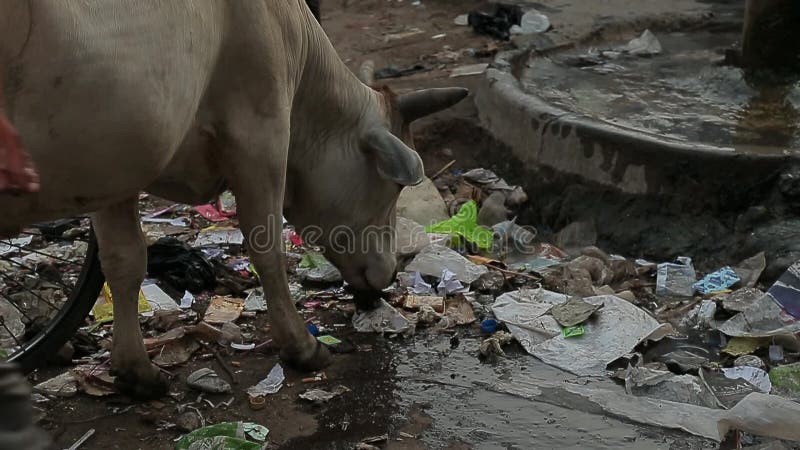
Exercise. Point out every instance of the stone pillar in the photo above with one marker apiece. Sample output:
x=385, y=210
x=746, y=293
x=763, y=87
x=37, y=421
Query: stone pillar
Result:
x=771, y=36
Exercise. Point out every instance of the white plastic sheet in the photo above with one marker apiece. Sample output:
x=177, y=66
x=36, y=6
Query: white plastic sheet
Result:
x=434, y=258
x=752, y=375
x=760, y=414
x=614, y=330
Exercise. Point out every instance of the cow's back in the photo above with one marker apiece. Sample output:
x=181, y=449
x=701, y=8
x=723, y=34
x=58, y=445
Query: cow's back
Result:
x=103, y=94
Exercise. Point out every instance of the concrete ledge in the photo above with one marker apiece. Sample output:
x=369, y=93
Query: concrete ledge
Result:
x=630, y=161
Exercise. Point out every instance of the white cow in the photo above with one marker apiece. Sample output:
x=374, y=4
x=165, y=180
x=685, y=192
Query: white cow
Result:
x=179, y=98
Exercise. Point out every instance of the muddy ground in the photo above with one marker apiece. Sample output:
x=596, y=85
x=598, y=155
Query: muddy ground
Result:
x=428, y=391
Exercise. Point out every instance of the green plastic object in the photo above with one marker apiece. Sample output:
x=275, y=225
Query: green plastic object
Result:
x=465, y=225
x=225, y=436
x=578, y=330
x=312, y=261
x=328, y=340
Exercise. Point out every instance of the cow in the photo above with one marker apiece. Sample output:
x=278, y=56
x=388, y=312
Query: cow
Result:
x=184, y=98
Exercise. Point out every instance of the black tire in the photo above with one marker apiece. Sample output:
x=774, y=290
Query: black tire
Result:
x=36, y=351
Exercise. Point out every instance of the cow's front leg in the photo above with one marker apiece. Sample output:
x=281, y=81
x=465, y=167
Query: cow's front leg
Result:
x=123, y=256
x=256, y=169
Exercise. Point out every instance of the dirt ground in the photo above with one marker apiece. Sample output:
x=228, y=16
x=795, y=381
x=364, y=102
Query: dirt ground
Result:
x=424, y=392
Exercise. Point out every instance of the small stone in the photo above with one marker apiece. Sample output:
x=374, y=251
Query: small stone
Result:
x=188, y=421
x=63, y=385
x=206, y=380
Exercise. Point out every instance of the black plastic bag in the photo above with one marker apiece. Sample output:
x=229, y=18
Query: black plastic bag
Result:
x=180, y=266
x=497, y=25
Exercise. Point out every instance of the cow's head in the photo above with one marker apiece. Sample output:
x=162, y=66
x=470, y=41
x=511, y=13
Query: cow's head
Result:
x=345, y=200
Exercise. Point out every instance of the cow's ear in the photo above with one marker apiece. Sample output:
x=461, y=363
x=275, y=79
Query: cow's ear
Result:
x=395, y=160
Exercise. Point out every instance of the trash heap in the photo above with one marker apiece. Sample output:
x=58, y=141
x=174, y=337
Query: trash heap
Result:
x=664, y=330
x=714, y=345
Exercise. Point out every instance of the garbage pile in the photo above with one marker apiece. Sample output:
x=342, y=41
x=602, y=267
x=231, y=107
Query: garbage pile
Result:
x=715, y=342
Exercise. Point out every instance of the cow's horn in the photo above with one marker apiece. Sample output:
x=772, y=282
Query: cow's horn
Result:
x=366, y=73
x=415, y=105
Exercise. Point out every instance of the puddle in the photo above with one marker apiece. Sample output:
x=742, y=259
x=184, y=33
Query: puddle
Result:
x=449, y=386
x=680, y=93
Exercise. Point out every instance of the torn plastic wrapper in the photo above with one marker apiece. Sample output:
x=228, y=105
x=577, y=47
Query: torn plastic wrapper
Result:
x=618, y=327
x=319, y=396
x=214, y=235
x=383, y=319
x=676, y=279
x=255, y=300
x=434, y=258
x=449, y=284
x=270, y=385
x=717, y=281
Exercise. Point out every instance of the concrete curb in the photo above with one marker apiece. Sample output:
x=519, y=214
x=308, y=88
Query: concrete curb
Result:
x=630, y=161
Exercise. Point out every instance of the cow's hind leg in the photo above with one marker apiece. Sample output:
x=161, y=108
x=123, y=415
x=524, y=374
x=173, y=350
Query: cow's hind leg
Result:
x=255, y=159
x=123, y=256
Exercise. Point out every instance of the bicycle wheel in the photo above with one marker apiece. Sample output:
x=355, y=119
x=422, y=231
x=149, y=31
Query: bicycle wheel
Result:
x=50, y=278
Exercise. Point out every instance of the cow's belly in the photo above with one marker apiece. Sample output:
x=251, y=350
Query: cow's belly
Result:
x=193, y=175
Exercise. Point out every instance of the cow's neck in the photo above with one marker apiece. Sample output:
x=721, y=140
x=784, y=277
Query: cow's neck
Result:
x=330, y=100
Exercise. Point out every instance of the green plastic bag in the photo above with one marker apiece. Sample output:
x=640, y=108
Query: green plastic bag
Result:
x=312, y=261
x=465, y=225
x=225, y=436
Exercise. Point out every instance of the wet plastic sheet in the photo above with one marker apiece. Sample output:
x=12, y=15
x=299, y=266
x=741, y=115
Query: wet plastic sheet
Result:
x=665, y=385
x=696, y=420
x=761, y=414
x=524, y=311
x=765, y=415
x=764, y=316
x=616, y=329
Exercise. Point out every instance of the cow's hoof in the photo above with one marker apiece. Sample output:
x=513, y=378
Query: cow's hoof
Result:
x=142, y=384
x=316, y=358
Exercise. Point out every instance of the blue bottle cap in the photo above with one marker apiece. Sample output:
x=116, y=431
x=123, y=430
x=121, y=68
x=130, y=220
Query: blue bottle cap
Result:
x=489, y=326
x=313, y=329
